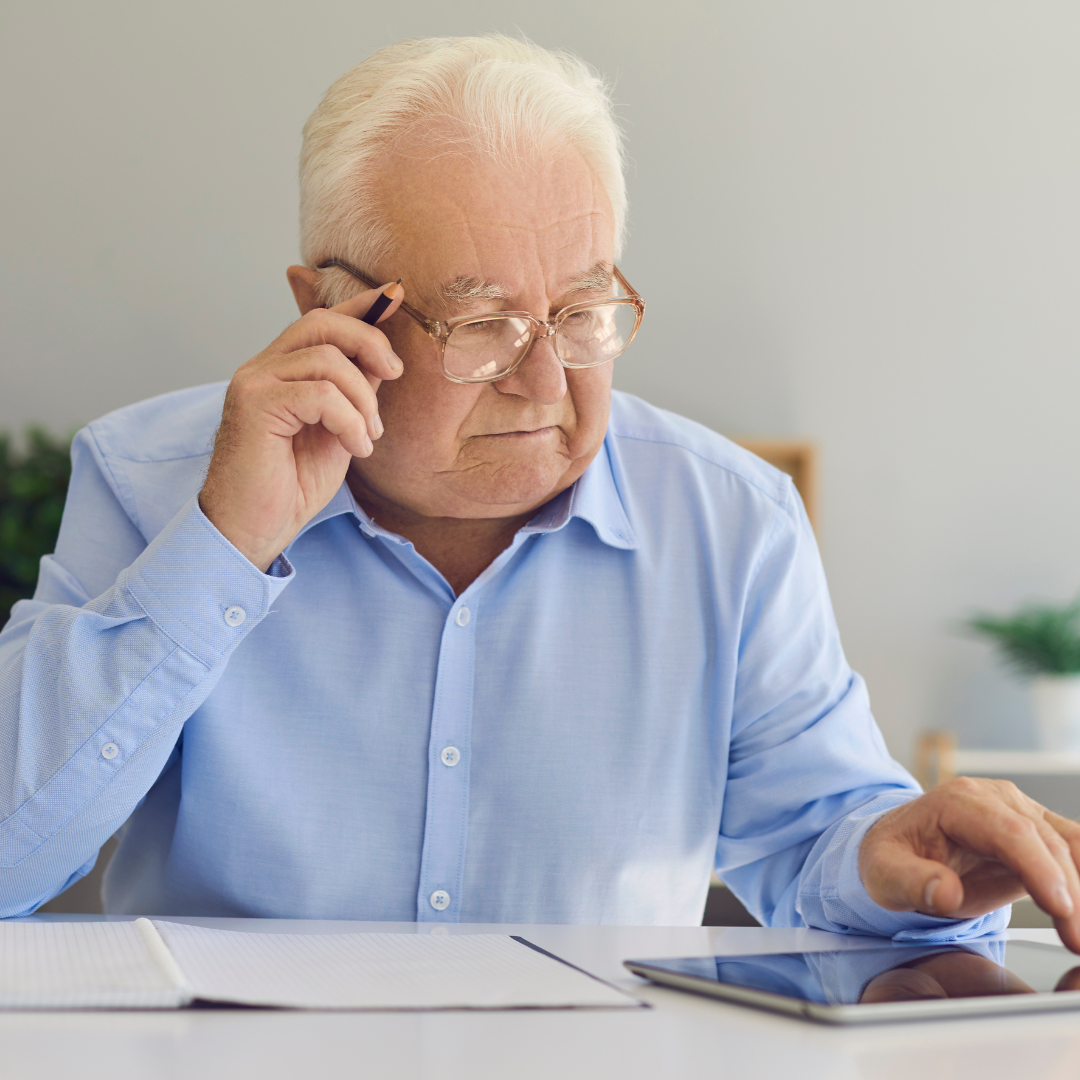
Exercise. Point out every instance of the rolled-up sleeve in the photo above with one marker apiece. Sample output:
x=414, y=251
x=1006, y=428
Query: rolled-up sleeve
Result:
x=96, y=682
x=833, y=897
x=808, y=769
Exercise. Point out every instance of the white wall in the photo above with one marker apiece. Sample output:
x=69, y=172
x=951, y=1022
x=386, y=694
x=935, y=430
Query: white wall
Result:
x=854, y=221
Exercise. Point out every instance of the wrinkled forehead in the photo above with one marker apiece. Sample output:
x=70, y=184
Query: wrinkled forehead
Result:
x=536, y=219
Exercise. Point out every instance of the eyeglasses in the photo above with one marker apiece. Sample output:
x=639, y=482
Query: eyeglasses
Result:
x=489, y=347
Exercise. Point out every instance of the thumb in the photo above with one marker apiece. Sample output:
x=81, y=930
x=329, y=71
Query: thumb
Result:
x=898, y=879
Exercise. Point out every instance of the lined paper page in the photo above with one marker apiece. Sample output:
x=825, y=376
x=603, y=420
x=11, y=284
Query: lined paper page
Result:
x=379, y=971
x=80, y=965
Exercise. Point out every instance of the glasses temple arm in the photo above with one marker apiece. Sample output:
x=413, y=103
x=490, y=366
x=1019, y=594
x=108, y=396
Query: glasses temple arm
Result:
x=430, y=325
x=628, y=288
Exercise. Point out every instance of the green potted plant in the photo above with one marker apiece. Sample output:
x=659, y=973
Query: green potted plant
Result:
x=33, y=484
x=1043, y=643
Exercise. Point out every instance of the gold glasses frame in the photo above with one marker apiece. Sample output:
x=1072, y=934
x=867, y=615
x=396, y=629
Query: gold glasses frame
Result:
x=439, y=330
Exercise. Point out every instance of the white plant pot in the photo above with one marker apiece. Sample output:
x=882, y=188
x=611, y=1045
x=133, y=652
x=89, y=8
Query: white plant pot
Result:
x=1056, y=699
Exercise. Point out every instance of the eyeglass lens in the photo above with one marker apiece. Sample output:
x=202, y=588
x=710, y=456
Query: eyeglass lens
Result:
x=485, y=347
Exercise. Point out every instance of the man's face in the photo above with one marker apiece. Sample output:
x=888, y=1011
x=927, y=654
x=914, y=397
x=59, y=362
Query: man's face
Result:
x=533, y=234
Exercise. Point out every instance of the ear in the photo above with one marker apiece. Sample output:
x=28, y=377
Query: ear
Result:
x=304, y=283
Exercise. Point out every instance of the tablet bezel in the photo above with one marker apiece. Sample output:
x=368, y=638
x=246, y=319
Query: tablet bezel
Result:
x=848, y=1014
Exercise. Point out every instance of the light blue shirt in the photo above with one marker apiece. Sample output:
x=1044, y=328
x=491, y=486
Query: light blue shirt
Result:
x=647, y=684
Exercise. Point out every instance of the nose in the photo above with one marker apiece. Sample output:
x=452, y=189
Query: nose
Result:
x=541, y=378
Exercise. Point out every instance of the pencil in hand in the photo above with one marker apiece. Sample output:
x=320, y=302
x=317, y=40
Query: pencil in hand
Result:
x=382, y=302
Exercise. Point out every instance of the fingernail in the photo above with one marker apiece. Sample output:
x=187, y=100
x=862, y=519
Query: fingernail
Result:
x=928, y=894
x=367, y=445
x=376, y=425
x=1064, y=899
x=394, y=362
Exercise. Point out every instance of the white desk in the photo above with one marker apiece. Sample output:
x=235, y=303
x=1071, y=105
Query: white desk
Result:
x=682, y=1038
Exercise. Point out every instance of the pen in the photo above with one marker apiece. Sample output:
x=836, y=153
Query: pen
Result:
x=382, y=302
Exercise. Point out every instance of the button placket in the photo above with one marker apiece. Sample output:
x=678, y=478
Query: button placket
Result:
x=446, y=818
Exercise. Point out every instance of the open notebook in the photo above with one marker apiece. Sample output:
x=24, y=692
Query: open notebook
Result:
x=151, y=964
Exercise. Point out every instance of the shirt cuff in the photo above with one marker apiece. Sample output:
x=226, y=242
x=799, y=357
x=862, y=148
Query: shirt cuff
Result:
x=849, y=907
x=199, y=589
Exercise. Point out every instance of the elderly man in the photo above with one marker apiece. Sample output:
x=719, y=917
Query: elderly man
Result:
x=443, y=629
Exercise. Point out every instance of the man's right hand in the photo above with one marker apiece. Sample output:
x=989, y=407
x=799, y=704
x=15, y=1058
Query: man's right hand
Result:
x=294, y=418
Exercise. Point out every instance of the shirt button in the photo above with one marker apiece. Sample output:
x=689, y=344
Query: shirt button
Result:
x=234, y=616
x=450, y=756
x=440, y=900
x=110, y=750
x=463, y=616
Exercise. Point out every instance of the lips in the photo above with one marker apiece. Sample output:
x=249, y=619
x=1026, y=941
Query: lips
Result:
x=520, y=434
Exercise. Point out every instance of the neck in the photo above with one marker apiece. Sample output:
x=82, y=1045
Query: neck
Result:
x=461, y=549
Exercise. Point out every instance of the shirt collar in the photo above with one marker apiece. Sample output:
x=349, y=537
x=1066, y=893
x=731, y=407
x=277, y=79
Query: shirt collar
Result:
x=342, y=503
x=594, y=498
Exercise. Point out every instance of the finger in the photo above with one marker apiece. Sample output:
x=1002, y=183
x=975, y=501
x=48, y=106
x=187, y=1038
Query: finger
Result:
x=362, y=303
x=385, y=304
x=366, y=346
x=381, y=308
x=387, y=301
x=899, y=879
x=321, y=402
x=993, y=829
x=1069, y=832
x=1067, y=926
x=1067, y=829
x=328, y=363
x=1058, y=846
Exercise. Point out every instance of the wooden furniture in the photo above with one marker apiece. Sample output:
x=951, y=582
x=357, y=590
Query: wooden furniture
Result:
x=938, y=758
x=795, y=457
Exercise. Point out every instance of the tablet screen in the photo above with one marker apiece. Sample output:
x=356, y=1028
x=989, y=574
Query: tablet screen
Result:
x=890, y=973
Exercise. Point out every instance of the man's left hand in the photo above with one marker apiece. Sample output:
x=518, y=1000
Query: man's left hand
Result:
x=971, y=846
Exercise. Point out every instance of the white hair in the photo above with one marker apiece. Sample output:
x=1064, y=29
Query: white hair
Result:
x=493, y=95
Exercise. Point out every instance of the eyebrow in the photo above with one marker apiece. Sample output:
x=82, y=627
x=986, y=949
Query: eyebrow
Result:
x=468, y=289
x=598, y=276
x=464, y=290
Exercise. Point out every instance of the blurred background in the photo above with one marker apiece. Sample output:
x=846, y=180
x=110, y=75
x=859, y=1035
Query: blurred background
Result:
x=856, y=223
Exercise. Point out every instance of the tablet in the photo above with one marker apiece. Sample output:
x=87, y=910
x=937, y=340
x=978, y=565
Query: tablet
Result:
x=885, y=982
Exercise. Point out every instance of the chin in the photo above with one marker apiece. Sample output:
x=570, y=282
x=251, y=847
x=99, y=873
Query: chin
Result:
x=520, y=484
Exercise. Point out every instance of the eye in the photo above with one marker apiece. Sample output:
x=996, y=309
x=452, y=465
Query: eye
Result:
x=489, y=328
